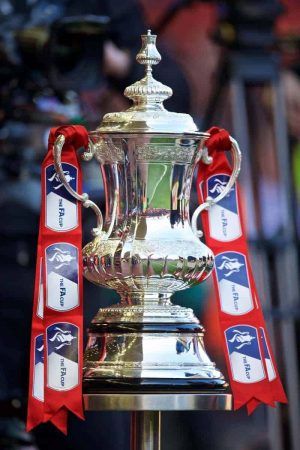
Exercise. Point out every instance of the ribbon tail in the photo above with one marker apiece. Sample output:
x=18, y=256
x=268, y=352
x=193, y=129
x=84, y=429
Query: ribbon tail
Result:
x=280, y=396
x=79, y=414
x=76, y=409
x=59, y=417
x=33, y=420
x=239, y=401
x=252, y=405
x=261, y=398
x=60, y=420
x=255, y=402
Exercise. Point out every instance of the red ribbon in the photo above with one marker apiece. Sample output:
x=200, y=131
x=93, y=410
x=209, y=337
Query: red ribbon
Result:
x=55, y=385
x=219, y=140
x=238, y=327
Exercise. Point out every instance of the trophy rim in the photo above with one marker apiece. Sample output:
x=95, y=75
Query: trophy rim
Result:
x=185, y=134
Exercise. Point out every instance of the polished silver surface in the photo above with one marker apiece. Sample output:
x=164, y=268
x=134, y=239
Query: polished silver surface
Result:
x=152, y=248
x=151, y=355
x=149, y=310
x=191, y=401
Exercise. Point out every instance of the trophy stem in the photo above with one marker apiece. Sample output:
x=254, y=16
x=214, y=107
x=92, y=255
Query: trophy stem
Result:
x=145, y=430
x=144, y=298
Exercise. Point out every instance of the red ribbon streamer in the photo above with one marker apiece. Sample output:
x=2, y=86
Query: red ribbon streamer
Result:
x=269, y=389
x=47, y=400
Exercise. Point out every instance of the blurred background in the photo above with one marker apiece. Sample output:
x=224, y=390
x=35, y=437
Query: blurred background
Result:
x=232, y=63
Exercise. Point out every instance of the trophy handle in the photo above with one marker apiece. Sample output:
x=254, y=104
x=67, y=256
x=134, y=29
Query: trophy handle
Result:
x=209, y=201
x=84, y=198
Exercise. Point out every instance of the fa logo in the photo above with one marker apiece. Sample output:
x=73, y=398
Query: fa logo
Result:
x=219, y=187
x=230, y=264
x=63, y=258
x=55, y=177
x=241, y=338
x=62, y=338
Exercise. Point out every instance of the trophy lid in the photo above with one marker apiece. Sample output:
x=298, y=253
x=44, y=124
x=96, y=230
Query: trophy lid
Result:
x=147, y=115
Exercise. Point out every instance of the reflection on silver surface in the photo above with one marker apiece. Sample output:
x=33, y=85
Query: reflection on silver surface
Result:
x=148, y=355
x=152, y=248
x=158, y=402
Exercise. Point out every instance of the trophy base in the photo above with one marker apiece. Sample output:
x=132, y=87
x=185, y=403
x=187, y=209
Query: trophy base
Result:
x=162, y=349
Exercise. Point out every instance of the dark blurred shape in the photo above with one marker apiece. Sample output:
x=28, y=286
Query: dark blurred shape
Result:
x=23, y=36
x=245, y=31
x=247, y=24
x=243, y=23
x=44, y=55
x=76, y=52
x=49, y=47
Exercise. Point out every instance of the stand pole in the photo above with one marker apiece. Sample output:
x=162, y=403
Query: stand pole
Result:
x=146, y=410
x=145, y=430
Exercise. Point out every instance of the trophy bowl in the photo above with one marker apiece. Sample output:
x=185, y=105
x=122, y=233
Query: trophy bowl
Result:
x=146, y=248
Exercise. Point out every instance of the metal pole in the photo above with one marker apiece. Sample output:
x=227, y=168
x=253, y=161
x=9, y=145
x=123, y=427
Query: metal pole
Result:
x=145, y=430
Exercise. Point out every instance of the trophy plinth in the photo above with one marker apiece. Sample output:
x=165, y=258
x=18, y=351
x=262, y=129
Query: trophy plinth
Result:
x=148, y=347
x=146, y=248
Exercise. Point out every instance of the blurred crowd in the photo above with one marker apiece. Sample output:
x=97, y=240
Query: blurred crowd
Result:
x=68, y=62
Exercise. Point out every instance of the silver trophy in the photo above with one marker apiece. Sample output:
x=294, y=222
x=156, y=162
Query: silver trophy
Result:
x=147, y=248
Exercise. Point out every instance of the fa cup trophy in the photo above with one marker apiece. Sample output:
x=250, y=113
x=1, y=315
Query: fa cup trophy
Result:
x=147, y=248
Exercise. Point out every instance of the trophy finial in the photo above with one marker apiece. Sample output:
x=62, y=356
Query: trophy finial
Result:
x=148, y=54
x=148, y=93
x=147, y=114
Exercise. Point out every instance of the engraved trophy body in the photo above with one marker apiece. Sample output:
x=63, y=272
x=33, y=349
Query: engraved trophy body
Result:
x=146, y=248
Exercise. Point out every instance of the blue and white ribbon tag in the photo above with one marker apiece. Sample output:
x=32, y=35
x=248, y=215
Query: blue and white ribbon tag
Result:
x=62, y=352
x=61, y=207
x=244, y=354
x=223, y=217
x=62, y=276
x=268, y=360
x=233, y=283
x=38, y=374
